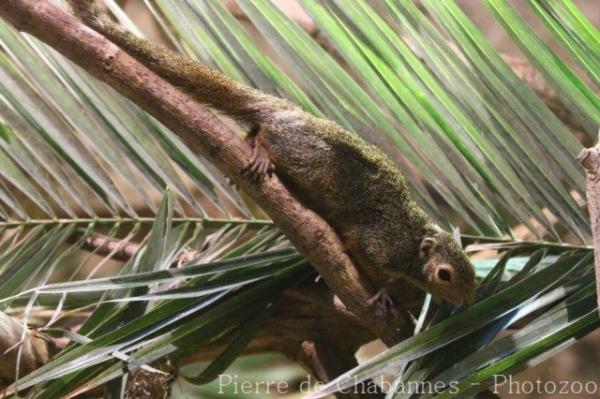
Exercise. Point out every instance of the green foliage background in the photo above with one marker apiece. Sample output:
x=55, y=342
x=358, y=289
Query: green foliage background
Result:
x=476, y=144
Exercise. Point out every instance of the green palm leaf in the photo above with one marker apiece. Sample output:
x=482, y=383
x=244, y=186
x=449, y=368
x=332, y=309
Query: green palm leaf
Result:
x=477, y=145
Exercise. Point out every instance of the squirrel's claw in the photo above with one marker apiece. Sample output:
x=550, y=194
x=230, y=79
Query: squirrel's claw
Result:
x=259, y=165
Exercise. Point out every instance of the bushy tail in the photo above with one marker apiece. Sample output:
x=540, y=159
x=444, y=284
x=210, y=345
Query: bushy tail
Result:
x=207, y=85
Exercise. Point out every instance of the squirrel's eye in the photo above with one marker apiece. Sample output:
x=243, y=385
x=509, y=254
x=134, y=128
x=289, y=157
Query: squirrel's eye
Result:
x=444, y=273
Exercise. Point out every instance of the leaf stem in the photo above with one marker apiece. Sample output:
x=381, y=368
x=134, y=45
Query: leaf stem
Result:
x=206, y=222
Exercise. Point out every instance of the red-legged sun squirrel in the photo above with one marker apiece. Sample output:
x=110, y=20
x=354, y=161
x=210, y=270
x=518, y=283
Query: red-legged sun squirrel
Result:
x=353, y=185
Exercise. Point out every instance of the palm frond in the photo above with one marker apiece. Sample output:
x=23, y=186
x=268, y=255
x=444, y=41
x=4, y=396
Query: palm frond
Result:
x=493, y=164
x=478, y=146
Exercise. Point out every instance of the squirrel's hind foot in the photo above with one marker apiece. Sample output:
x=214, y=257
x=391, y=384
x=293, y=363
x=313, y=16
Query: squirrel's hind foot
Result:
x=260, y=164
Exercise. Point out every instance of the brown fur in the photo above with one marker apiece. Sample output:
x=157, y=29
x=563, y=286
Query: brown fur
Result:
x=353, y=185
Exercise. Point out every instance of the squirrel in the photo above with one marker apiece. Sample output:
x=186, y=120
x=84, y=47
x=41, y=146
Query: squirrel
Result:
x=353, y=185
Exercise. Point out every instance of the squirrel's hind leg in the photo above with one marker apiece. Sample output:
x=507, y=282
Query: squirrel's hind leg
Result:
x=260, y=164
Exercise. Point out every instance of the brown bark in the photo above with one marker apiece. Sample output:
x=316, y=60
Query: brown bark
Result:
x=118, y=249
x=104, y=246
x=590, y=160
x=204, y=133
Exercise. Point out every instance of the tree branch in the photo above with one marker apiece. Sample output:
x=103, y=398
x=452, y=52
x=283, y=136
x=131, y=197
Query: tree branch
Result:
x=590, y=160
x=118, y=249
x=105, y=246
x=204, y=133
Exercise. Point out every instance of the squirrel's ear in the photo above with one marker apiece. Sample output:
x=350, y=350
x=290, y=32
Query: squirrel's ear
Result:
x=427, y=247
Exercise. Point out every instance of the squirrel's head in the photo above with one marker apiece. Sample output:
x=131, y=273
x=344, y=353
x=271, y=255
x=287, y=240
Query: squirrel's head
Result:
x=446, y=270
